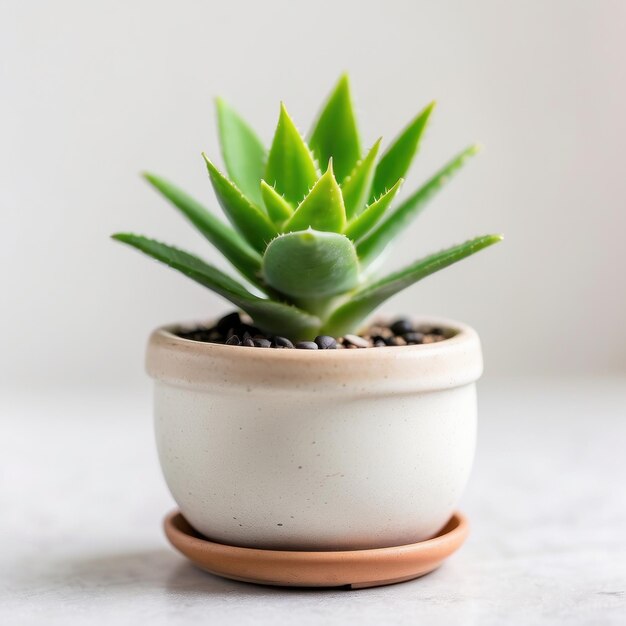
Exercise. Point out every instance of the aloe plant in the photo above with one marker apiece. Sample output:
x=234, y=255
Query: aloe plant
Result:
x=308, y=218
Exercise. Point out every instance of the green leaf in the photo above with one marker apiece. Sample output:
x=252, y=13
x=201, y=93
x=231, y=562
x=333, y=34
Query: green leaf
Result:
x=243, y=257
x=322, y=208
x=395, y=162
x=335, y=134
x=277, y=207
x=376, y=241
x=363, y=223
x=349, y=315
x=291, y=169
x=311, y=264
x=243, y=152
x=247, y=218
x=273, y=317
x=356, y=187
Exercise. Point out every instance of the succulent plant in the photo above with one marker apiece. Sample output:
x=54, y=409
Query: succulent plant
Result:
x=308, y=219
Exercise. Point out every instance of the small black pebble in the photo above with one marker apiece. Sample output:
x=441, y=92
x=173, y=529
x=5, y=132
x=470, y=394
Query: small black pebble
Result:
x=282, y=342
x=306, y=345
x=232, y=320
x=401, y=327
x=233, y=340
x=413, y=337
x=248, y=343
x=261, y=343
x=252, y=330
x=325, y=342
x=380, y=343
x=246, y=336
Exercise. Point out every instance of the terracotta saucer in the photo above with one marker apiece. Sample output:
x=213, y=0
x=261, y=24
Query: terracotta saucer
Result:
x=353, y=569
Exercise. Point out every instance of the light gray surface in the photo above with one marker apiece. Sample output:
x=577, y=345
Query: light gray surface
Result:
x=95, y=92
x=81, y=501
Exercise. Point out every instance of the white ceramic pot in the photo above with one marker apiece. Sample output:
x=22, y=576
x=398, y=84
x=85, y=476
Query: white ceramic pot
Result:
x=316, y=450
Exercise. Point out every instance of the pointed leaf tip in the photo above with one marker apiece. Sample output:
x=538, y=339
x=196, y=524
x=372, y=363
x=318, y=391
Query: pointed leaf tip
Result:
x=222, y=236
x=356, y=187
x=396, y=160
x=290, y=168
x=375, y=242
x=335, y=133
x=372, y=214
x=277, y=207
x=322, y=208
x=246, y=217
x=243, y=152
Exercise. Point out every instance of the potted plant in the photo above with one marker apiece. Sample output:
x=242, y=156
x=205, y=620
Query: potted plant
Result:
x=297, y=427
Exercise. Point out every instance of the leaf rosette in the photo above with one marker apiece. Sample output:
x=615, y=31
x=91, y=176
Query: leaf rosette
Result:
x=307, y=218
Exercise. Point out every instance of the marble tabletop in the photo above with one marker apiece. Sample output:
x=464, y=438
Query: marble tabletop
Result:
x=81, y=502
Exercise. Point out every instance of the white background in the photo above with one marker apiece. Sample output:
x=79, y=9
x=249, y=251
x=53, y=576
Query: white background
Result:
x=93, y=92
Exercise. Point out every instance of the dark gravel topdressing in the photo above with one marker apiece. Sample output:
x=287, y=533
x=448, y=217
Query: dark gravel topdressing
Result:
x=232, y=330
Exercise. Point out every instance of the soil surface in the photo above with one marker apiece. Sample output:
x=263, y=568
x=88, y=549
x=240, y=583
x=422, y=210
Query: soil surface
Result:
x=236, y=330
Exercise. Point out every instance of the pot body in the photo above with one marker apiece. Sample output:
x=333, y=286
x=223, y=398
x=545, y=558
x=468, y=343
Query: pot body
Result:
x=305, y=450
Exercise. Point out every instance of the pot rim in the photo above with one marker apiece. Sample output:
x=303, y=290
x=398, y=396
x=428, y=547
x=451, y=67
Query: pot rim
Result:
x=189, y=363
